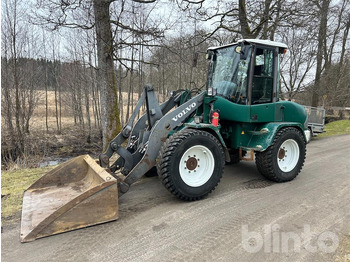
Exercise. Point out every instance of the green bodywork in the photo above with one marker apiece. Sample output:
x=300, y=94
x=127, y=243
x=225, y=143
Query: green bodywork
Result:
x=255, y=126
x=249, y=126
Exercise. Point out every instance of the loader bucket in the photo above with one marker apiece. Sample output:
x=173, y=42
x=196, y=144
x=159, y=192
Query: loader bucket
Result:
x=76, y=194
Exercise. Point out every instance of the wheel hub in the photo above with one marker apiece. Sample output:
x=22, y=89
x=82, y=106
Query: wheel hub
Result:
x=281, y=153
x=288, y=155
x=196, y=165
x=191, y=163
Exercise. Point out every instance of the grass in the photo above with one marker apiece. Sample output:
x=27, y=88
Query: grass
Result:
x=13, y=184
x=340, y=127
x=344, y=248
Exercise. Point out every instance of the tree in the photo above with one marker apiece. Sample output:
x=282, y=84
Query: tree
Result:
x=323, y=8
x=19, y=75
x=110, y=120
x=242, y=18
x=89, y=15
x=298, y=62
x=332, y=38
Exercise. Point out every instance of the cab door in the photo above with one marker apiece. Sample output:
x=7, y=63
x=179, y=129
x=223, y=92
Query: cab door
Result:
x=263, y=85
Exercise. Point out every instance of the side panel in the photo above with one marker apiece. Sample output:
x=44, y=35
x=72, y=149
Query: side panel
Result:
x=257, y=136
x=293, y=112
x=232, y=112
x=262, y=138
x=263, y=113
x=284, y=111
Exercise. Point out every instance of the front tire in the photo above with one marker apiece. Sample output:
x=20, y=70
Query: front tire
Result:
x=284, y=159
x=190, y=164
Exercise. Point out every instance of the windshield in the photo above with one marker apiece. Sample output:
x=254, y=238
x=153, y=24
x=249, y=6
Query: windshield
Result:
x=228, y=73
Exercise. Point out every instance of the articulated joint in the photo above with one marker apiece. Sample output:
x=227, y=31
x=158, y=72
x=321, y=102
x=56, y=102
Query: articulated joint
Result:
x=104, y=160
x=126, y=131
x=114, y=146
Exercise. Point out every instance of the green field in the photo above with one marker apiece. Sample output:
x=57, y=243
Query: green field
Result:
x=13, y=184
x=340, y=127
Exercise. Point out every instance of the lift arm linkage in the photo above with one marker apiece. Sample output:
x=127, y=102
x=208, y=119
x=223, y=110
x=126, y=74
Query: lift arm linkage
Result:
x=147, y=135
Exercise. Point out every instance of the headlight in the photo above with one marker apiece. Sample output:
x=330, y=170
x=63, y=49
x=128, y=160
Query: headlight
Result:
x=307, y=135
x=212, y=91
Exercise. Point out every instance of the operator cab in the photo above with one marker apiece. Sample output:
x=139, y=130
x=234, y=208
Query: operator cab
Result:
x=246, y=72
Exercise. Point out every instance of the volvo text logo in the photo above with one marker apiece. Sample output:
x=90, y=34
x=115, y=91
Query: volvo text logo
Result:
x=184, y=112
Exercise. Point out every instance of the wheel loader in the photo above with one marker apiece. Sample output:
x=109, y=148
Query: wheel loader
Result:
x=188, y=139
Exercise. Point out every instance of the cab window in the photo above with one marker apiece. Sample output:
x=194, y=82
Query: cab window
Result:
x=262, y=85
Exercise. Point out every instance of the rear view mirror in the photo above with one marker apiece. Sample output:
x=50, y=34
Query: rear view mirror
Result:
x=243, y=53
x=210, y=55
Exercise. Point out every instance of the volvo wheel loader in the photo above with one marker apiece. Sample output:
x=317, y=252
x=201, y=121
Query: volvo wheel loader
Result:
x=188, y=138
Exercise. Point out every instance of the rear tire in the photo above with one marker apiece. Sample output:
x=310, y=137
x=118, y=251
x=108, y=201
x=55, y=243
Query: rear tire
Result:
x=284, y=159
x=191, y=163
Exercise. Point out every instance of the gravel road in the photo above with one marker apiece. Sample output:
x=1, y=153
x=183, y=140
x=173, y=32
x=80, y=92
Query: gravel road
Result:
x=247, y=218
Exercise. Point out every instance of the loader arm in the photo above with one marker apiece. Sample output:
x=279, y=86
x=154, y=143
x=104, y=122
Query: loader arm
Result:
x=147, y=135
x=154, y=113
x=159, y=134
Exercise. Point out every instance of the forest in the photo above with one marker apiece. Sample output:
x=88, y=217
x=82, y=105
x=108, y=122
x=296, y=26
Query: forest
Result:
x=72, y=71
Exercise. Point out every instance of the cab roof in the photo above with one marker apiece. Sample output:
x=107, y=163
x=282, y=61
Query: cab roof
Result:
x=254, y=41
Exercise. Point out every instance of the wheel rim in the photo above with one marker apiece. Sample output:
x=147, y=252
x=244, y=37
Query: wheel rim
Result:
x=288, y=155
x=196, y=166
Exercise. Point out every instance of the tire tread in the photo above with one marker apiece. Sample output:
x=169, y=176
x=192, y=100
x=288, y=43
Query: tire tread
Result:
x=164, y=159
x=264, y=160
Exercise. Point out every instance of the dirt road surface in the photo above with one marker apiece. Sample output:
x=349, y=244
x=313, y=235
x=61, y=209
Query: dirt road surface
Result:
x=314, y=210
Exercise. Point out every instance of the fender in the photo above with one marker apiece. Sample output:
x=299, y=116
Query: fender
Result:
x=215, y=131
x=263, y=136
